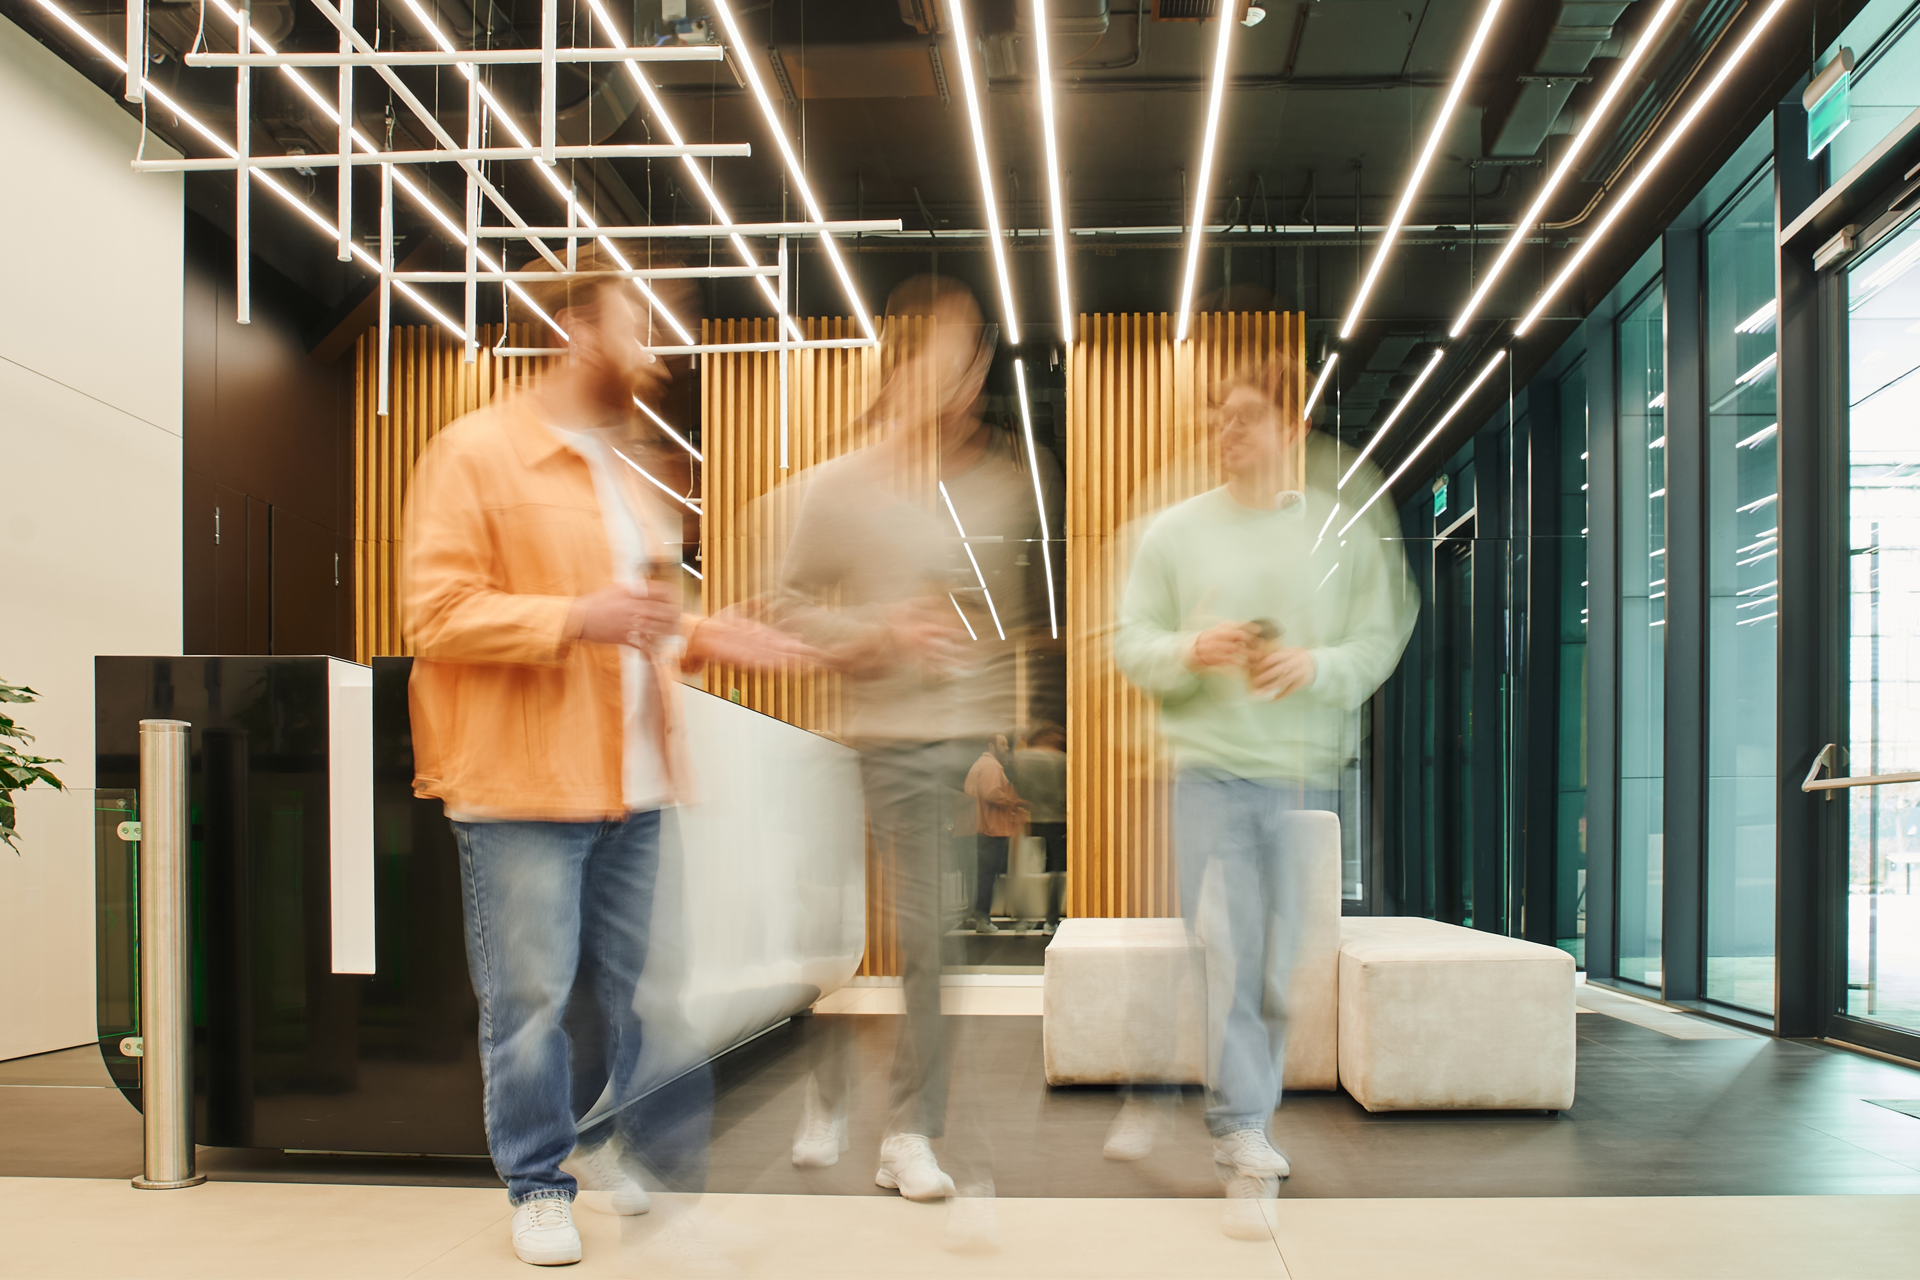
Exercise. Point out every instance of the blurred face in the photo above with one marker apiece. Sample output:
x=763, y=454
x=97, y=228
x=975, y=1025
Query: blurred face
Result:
x=1253, y=437
x=610, y=354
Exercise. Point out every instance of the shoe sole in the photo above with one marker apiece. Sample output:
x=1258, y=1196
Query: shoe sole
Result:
x=556, y=1258
x=883, y=1178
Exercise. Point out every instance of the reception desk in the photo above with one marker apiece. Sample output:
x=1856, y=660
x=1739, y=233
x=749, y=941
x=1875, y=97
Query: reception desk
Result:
x=332, y=1007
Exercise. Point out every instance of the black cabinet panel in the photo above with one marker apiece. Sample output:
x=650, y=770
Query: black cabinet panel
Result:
x=288, y=1053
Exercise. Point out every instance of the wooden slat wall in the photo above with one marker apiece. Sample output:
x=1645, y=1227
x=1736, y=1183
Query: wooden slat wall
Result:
x=747, y=514
x=1137, y=441
x=430, y=385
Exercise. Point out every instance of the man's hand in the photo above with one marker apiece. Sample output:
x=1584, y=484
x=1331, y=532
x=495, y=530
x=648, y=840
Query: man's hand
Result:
x=616, y=615
x=732, y=638
x=927, y=631
x=1229, y=644
x=1280, y=673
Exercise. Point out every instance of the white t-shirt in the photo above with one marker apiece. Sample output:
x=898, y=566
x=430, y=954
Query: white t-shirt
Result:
x=644, y=782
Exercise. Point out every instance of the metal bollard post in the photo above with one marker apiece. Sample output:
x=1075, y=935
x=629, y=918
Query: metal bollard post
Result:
x=166, y=1006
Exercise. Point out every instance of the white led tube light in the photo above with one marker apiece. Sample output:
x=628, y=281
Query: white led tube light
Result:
x=1419, y=173
x=1055, y=196
x=454, y=155
x=697, y=231
x=1039, y=502
x=1622, y=76
x=751, y=71
x=456, y=57
x=963, y=50
x=1619, y=204
x=1319, y=384
x=984, y=590
x=1373, y=441
x=1432, y=434
x=1214, y=98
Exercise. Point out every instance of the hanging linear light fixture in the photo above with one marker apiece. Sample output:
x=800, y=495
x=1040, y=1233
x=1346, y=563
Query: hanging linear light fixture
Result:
x=1039, y=502
x=1433, y=434
x=963, y=51
x=1215, y=94
x=1319, y=384
x=1380, y=433
x=1055, y=195
x=1419, y=174
x=1619, y=204
x=266, y=179
x=749, y=68
x=1595, y=118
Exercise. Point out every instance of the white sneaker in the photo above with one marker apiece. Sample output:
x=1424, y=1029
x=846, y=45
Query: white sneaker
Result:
x=1245, y=1217
x=600, y=1169
x=1136, y=1128
x=822, y=1134
x=907, y=1163
x=1248, y=1151
x=543, y=1232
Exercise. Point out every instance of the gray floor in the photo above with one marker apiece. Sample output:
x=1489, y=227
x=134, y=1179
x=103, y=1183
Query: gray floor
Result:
x=1656, y=1114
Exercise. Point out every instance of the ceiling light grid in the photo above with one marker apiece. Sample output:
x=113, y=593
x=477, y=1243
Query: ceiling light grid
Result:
x=963, y=51
x=356, y=51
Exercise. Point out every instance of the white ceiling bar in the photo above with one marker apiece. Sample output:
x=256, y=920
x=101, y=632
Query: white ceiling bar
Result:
x=386, y=284
x=711, y=348
x=697, y=231
x=779, y=329
x=136, y=51
x=470, y=292
x=630, y=273
x=455, y=155
x=1215, y=95
x=963, y=52
x=343, y=120
x=549, y=85
x=1056, y=198
x=242, y=181
x=464, y=57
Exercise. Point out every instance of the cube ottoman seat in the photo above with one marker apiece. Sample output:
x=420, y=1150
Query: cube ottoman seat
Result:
x=1438, y=1017
x=1125, y=999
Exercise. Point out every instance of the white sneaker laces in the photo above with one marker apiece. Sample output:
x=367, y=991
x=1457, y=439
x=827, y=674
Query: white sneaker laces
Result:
x=548, y=1213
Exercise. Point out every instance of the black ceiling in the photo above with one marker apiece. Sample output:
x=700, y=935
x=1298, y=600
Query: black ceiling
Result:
x=1329, y=104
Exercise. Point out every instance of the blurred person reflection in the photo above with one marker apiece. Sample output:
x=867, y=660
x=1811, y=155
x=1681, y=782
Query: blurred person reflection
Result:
x=999, y=816
x=876, y=573
x=1040, y=776
x=542, y=581
x=1257, y=628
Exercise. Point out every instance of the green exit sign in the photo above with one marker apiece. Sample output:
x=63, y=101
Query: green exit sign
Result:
x=1440, y=498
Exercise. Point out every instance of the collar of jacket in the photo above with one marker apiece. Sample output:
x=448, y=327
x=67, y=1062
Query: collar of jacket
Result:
x=532, y=440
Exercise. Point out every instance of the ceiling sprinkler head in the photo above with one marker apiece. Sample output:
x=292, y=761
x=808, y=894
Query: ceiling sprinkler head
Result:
x=1254, y=16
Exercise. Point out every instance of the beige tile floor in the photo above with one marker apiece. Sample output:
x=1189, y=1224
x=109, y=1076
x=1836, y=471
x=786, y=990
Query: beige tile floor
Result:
x=56, y=1227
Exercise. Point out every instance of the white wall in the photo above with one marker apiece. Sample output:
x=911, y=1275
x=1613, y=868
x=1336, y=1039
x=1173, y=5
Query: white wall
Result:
x=90, y=487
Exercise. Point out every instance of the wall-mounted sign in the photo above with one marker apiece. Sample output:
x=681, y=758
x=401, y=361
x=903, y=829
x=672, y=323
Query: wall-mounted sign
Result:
x=1829, y=108
x=1439, y=497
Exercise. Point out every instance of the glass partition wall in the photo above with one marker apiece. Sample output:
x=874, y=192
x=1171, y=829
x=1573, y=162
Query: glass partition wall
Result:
x=1642, y=403
x=1743, y=588
x=1883, y=527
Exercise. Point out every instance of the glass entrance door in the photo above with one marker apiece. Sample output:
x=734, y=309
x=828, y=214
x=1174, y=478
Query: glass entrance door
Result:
x=1882, y=963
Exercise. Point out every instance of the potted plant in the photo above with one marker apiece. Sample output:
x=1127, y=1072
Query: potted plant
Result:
x=18, y=771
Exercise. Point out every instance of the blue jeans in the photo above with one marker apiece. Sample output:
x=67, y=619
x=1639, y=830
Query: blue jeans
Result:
x=1241, y=891
x=558, y=917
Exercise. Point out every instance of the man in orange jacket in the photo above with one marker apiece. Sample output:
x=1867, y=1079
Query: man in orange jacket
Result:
x=543, y=576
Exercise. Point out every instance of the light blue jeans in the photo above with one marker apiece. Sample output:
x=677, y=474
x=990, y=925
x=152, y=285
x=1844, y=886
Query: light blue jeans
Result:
x=558, y=916
x=1241, y=890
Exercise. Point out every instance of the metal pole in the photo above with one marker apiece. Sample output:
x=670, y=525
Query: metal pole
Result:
x=166, y=1008
x=345, y=211
x=242, y=180
x=778, y=332
x=136, y=90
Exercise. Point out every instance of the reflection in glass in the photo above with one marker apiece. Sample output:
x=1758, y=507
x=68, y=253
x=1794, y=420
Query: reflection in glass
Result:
x=1743, y=599
x=1883, y=916
x=1570, y=822
x=1643, y=634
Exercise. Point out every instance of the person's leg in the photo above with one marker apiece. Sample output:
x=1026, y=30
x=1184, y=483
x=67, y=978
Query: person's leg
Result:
x=1217, y=829
x=1054, y=836
x=521, y=900
x=1284, y=872
x=990, y=860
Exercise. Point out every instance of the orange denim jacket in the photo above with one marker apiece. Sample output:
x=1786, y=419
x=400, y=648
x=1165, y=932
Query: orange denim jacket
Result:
x=511, y=717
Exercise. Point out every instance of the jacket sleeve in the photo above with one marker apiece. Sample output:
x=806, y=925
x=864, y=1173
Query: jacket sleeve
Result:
x=1381, y=608
x=455, y=610
x=1148, y=644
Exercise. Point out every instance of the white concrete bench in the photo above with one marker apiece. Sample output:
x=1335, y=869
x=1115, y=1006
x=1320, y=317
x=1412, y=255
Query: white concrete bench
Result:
x=1126, y=998
x=1437, y=1017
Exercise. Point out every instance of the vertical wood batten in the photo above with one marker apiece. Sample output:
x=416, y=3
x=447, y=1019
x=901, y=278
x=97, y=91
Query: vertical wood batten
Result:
x=1137, y=441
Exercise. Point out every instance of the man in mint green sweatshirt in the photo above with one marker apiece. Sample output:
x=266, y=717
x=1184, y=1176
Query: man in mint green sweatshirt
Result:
x=1259, y=622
